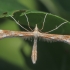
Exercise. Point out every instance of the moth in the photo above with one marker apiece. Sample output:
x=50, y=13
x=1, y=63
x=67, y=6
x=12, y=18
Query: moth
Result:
x=35, y=34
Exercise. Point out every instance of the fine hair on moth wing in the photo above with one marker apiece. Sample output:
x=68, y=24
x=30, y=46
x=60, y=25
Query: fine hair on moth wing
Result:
x=36, y=34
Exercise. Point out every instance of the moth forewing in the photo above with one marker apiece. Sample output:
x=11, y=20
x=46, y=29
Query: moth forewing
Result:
x=8, y=33
x=55, y=37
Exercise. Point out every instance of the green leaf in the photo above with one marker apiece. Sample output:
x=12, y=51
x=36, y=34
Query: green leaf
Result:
x=37, y=17
x=8, y=6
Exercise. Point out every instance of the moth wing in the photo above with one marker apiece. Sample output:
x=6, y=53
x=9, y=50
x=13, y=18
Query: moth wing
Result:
x=8, y=33
x=55, y=37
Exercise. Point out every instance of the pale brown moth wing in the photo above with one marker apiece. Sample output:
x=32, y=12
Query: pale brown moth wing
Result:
x=55, y=37
x=8, y=33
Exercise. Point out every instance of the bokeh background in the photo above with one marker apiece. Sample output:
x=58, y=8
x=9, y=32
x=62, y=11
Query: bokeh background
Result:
x=15, y=53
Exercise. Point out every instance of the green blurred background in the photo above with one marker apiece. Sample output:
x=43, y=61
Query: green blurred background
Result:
x=15, y=53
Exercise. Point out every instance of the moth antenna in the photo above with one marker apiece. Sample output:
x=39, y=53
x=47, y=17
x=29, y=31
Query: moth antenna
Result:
x=44, y=21
x=28, y=22
x=57, y=27
x=18, y=23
